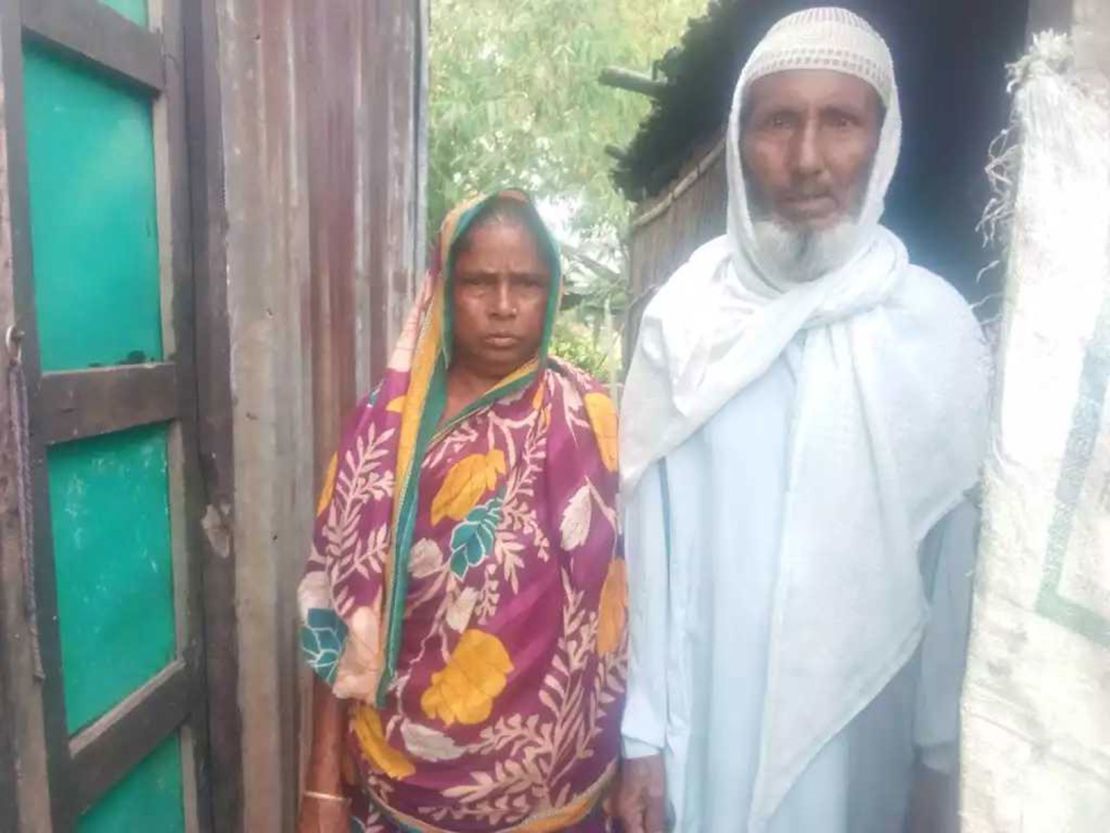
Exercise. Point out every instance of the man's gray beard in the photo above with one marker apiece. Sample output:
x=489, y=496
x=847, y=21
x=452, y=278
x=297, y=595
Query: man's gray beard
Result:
x=801, y=255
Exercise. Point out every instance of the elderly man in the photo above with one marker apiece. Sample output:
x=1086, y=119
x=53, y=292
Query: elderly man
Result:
x=804, y=417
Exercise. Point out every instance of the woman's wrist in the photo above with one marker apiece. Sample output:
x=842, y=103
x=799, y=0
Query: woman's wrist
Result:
x=327, y=797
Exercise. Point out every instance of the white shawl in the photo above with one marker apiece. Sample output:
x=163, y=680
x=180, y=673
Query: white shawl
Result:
x=889, y=428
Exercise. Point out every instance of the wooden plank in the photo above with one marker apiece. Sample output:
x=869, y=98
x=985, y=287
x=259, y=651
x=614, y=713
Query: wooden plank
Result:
x=212, y=403
x=88, y=403
x=334, y=58
x=392, y=39
x=375, y=56
x=9, y=806
x=188, y=503
x=421, y=59
x=106, y=751
x=404, y=80
x=95, y=33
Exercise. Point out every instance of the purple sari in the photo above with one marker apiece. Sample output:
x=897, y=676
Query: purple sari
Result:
x=467, y=594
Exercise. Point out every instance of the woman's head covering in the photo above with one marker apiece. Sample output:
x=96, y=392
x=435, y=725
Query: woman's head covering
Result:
x=467, y=216
x=823, y=39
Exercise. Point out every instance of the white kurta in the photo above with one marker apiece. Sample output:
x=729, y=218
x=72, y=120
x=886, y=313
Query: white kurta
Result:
x=703, y=533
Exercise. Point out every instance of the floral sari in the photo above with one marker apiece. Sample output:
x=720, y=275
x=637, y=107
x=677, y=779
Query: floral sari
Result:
x=466, y=590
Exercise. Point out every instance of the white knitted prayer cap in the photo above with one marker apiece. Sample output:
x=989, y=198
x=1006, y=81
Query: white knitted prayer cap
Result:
x=825, y=38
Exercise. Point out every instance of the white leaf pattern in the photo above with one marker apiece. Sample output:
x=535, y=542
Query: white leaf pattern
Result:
x=458, y=615
x=428, y=744
x=575, y=526
x=426, y=558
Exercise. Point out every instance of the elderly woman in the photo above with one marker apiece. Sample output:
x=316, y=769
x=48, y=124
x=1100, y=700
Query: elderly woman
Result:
x=464, y=601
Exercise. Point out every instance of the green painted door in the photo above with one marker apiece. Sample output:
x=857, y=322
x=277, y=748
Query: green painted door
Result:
x=98, y=139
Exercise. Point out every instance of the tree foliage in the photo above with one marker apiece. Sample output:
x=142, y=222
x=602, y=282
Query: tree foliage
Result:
x=515, y=98
x=573, y=342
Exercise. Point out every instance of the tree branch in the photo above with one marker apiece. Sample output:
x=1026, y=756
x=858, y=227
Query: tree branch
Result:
x=598, y=268
x=636, y=82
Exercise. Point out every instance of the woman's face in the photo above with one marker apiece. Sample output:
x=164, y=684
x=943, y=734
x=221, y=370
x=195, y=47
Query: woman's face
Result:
x=501, y=289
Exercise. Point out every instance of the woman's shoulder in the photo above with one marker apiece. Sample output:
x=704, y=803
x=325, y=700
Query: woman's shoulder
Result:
x=583, y=405
x=568, y=374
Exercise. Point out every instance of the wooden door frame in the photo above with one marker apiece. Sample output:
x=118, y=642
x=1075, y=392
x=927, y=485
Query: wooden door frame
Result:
x=9, y=803
x=83, y=768
x=215, y=435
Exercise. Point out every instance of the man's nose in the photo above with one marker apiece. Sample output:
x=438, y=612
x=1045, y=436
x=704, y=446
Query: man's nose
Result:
x=808, y=159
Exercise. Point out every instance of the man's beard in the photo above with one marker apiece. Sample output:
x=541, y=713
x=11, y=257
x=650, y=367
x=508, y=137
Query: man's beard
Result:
x=799, y=255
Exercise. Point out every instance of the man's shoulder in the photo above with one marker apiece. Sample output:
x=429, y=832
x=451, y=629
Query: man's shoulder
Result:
x=672, y=298
x=926, y=294
x=933, y=324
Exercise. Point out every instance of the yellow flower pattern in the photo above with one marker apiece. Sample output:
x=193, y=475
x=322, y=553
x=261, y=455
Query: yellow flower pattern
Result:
x=464, y=691
x=603, y=420
x=367, y=725
x=466, y=483
x=612, y=614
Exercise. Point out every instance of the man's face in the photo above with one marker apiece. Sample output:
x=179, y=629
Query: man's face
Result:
x=807, y=143
x=501, y=289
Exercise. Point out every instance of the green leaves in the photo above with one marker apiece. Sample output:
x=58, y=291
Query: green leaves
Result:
x=514, y=97
x=473, y=538
x=515, y=101
x=571, y=343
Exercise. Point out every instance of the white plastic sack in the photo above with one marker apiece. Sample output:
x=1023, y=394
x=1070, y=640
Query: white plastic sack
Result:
x=1036, y=710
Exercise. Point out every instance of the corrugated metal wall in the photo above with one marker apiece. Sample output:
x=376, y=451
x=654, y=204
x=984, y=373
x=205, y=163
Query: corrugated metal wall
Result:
x=311, y=131
x=361, y=74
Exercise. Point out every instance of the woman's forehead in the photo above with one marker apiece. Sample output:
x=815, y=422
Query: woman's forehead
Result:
x=498, y=241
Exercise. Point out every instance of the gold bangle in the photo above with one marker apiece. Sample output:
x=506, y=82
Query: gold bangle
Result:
x=326, y=796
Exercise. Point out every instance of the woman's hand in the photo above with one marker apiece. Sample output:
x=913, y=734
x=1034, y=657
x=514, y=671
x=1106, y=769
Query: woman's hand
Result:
x=319, y=813
x=323, y=816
